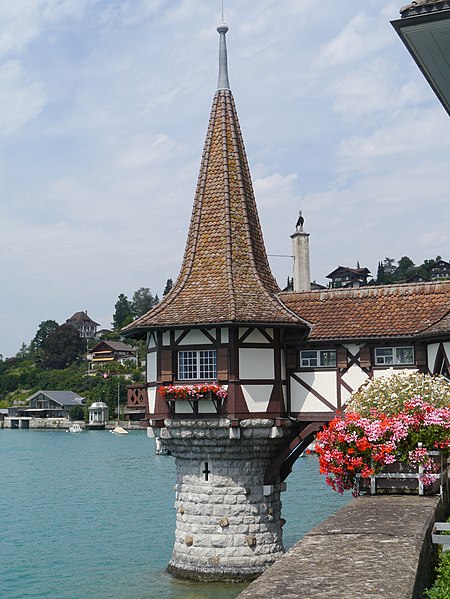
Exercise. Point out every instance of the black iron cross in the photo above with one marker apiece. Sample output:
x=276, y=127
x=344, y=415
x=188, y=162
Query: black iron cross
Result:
x=206, y=471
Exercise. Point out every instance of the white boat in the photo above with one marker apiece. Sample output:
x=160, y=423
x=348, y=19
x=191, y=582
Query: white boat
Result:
x=75, y=428
x=119, y=431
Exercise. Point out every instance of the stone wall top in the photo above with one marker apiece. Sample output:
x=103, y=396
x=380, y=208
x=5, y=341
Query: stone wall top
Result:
x=374, y=547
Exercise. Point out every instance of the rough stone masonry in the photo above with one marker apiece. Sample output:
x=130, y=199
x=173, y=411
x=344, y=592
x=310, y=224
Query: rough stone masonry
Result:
x=228, y=523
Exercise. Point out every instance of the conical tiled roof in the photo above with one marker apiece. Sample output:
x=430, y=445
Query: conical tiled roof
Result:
x=225, y=275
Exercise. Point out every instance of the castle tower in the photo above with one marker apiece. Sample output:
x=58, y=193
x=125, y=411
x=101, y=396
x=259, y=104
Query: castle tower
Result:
x=220, y=334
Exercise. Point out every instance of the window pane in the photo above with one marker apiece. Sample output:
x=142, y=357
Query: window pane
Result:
x=187, y=365
x=308, y=358
x=207, y=360
x=328, y=357
x=404, y=355
x=384, y=355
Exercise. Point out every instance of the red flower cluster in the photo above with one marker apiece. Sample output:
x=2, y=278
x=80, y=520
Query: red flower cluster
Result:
x=353, y=445
x=193, y=392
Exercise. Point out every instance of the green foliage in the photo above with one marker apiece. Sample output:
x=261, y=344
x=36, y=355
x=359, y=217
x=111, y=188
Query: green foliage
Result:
x=123, y=313
x=168, y=287
x=45, y=328
x=76, y=413
x=441, y=587
x=62, y=347
x=143, y=301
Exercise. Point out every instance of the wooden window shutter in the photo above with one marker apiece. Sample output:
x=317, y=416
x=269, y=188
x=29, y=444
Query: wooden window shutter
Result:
x=421, y=354
x=166, y=366
x=291, y=359
x=364, y=357
x=341, y=357
x=222, y=364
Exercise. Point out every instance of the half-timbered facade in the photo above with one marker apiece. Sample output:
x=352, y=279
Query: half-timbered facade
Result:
x=283, y=363
x=357, y=334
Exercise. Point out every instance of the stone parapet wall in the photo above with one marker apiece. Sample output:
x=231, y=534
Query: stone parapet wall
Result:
x=377, y=546
x=228, y=524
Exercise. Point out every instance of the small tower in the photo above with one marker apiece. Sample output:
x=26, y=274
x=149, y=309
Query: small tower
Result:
x=300, y=251
x=216, y=368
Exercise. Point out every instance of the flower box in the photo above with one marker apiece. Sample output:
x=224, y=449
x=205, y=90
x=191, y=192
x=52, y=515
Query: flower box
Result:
x=195, y=396
x=400, y=478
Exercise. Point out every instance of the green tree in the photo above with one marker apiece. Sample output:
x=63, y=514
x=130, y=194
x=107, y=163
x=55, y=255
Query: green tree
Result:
x=168, y=287
x=44, y=329
x=123, y=314
x=143, y=301
x=381, y=275
x=404, y=268
x=62, y=347
x=389, y=270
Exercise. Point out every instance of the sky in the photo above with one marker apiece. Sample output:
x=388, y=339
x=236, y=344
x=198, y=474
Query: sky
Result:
x=104, y=106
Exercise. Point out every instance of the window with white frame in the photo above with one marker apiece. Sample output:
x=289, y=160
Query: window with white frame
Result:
x=392, y=356
x=317, y=358
x=197, y=364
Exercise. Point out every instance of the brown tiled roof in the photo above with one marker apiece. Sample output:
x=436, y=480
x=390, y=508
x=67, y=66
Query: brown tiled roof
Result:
x=419, y=7
x=81, y=318
x=441, y=327
x=225, y=275
x=384, y=311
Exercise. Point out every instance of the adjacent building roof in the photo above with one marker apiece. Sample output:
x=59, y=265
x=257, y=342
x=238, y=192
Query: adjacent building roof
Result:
x=118, y=346
x=373, y=312
x=423, y=6
x=356, y=271
x=81, y=319
x=64, y=398
x=225, y=276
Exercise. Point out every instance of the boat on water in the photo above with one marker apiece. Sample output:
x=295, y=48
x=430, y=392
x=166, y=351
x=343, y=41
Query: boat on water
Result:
x=119, y=431
x=75, y=428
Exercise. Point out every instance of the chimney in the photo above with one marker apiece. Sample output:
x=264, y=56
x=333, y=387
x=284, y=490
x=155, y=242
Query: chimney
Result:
x=300, y=251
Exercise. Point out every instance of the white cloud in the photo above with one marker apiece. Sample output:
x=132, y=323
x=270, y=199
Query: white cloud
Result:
x=103, y=110
x=20, y=100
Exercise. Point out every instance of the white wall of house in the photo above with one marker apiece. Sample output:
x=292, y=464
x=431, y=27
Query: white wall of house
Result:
x=257, y=397
x=324, y=383
x=256, y=363
x=151, y=367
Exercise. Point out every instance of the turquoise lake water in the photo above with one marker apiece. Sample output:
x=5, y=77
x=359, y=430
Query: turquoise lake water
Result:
x=90, y=516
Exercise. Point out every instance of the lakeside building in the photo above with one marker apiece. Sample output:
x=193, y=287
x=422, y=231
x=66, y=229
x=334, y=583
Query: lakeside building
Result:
x=270, y=368
x=41, y=406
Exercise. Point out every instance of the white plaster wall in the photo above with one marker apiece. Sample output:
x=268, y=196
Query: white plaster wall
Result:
x=257, y=397
x=354, y=377
x=257, y=337
x=225, y=335
x=447, y=349
x=196, y=337
x=166, y=338
x=303, y=400
x=431, y=355
x=353, y=348
x=151, y=341
x=256, y=363
x=151, y=392
x=151, y=367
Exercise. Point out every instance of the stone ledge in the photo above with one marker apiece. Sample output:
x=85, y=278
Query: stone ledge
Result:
x=374, y=547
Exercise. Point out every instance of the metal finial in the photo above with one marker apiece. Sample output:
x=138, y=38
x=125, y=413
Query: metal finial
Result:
x=223, y=82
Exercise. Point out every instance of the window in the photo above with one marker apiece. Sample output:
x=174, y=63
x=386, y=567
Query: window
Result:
x=313, y=358
x=394, y=355
x=197, y=364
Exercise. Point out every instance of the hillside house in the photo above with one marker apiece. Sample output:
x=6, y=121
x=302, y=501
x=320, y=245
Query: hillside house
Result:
x=86, y=327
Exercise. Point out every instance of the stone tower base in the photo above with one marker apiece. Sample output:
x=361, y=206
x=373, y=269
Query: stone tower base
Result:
x=228, y=524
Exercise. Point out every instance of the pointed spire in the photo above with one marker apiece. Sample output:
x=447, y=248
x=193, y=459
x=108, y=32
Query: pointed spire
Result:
x=223, y=82
x=225, y=276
